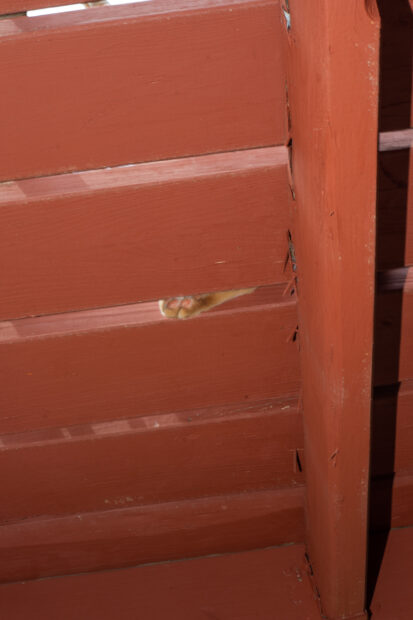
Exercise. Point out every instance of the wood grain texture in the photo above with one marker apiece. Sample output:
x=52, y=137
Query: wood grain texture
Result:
x=334, y=166
x=144, y=232
x=128, y=361
x=139, y=82
x=242, y=586
x=17, y=6
x=160, y=458
x=34, y=548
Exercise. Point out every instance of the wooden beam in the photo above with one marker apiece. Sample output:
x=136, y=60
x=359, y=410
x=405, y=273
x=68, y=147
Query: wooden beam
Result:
x=129, y=361
x=159, y=458
x=127, y=536
x=144, y=232
x=333, y=50
x=396, y=140
x=19, y=6
x=247, y=585
x=107, y=95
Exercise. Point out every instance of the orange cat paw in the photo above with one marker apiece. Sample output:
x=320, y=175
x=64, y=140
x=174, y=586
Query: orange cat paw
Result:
x=191, y=305
x=181, y=307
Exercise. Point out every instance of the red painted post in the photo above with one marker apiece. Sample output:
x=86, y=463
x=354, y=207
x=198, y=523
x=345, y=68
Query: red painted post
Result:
x=333, y=50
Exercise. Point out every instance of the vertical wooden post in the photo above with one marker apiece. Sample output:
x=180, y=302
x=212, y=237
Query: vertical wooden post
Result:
x=333, y=51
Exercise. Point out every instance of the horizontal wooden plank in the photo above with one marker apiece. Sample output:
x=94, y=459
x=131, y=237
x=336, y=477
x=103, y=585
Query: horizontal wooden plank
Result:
x=152, y=459
x=395, y=209
x=394, y=327
x=18, y=6
x=143, y=232
x=391, y=502
x=392, y=430
x=396, y=140
x=122, y=537
x=129, y=361
x=10, y=7
x=139, y=82
x=243, y=586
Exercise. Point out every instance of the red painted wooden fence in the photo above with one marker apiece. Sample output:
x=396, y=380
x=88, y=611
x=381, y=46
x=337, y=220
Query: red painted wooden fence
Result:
x=138, y=172
x=17, y=6
x=102, y=238
x=334, y=174
x=174, y=148
x=108, y=96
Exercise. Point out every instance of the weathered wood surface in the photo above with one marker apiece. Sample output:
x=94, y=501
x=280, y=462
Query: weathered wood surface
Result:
x=17, y=6
x=248, y=585
x=47, y=546
x=143, y=232
x=334, y=176
x=159, y=458
x=129, y=361
x=127, y=536
x=107, y=95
